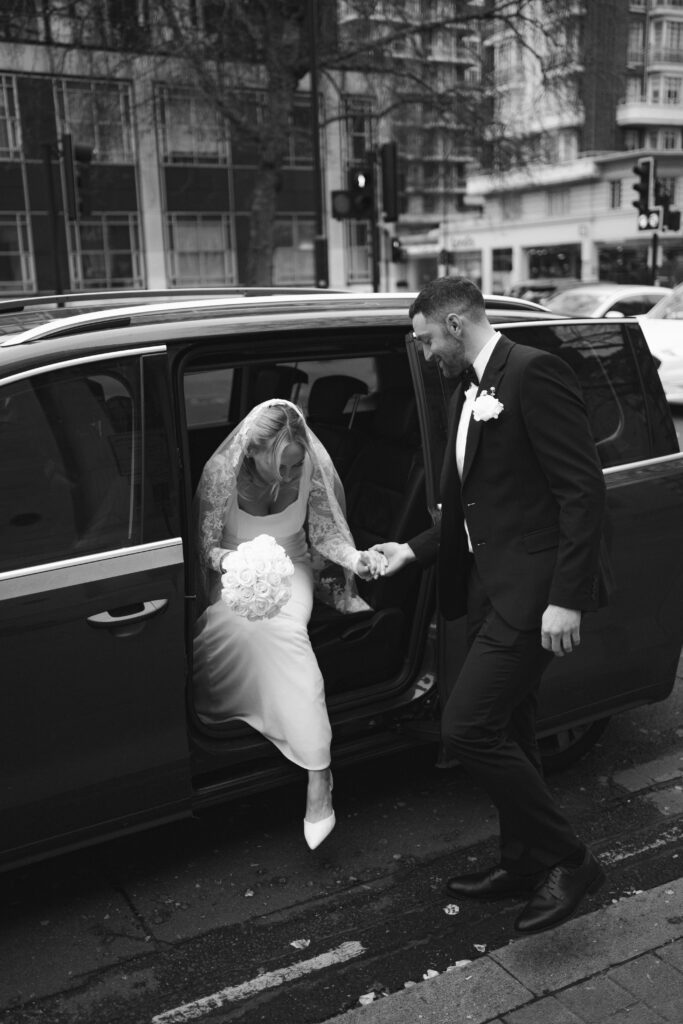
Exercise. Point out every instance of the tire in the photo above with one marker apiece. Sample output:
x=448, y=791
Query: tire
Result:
x=563, y=749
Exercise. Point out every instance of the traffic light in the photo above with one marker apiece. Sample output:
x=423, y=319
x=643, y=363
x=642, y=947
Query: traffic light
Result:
x=76, y=161
x=357, y=202
x=362, y=192
x=648, y=215
x=671, y=218
x=397, y=252
x=389, y=158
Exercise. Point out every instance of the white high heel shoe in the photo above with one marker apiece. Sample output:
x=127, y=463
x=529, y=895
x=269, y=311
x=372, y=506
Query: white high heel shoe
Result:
x=317, y=831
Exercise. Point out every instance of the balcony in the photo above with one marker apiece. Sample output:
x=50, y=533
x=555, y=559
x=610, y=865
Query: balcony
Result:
x=665, y=55
x=643, y=115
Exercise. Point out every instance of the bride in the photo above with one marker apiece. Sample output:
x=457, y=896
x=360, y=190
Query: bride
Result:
x=273, y=476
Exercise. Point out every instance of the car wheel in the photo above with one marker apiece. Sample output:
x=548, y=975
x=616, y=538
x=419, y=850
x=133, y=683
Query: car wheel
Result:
x=564, y=748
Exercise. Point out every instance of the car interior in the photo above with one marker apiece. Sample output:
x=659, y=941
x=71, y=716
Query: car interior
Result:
x=363, y=409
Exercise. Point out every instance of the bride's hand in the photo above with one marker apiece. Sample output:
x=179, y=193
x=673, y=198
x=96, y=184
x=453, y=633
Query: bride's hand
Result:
x=371, y=565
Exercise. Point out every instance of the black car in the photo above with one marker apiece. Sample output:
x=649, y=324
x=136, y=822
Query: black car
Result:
x=107, y=417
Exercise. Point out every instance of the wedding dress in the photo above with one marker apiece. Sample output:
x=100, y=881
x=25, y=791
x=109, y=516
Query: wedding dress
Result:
x=264, y=672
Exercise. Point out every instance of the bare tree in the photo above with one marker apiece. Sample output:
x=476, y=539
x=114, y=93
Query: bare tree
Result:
x=249, y=59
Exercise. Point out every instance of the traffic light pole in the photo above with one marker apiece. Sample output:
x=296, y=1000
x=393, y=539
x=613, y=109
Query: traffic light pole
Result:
x=48, y=151
x=655, y=241
x=374, y=230
x=320, y=240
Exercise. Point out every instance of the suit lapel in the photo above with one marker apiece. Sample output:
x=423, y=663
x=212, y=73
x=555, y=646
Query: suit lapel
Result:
x=449, y=468
x=495, y=368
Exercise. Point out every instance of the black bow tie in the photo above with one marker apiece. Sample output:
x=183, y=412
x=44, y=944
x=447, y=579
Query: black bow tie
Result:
x=469, y=377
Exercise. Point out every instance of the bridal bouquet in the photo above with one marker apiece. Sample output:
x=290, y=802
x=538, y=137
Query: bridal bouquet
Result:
x=257, y=578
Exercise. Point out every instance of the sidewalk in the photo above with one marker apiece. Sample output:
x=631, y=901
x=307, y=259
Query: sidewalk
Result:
x=619, y=965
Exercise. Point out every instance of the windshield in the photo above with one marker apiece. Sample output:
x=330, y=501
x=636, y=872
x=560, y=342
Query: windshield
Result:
x=670, y=307
x=576, y=302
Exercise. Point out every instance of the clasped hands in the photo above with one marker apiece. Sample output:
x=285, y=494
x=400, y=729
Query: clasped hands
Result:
x=371, y=564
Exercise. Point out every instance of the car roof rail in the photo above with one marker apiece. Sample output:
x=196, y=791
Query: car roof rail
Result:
x=21, y=303
x=121, y=316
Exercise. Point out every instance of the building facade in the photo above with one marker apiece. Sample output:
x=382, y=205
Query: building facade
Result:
x=570, y=212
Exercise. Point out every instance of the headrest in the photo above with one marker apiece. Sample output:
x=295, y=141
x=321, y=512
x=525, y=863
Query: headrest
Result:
x=396, y=415
x=328, y=396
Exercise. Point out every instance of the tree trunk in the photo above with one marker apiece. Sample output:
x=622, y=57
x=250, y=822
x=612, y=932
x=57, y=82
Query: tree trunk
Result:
x=262, y=228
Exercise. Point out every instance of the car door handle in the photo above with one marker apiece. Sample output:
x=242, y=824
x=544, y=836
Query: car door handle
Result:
x=126, y=614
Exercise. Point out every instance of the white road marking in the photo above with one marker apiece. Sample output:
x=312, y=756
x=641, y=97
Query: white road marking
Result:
x=190, y=1011
x=624, y=850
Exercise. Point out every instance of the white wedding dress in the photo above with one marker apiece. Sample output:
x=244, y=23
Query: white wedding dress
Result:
x=264, y=672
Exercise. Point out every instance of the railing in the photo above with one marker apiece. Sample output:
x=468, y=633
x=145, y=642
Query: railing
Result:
x=666, y=55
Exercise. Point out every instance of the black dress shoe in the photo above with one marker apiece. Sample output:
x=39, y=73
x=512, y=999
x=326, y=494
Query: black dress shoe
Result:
x=557, y=898
x=494, y=884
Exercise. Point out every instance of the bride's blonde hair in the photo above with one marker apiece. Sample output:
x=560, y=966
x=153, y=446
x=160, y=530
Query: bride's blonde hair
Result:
x=276, y=427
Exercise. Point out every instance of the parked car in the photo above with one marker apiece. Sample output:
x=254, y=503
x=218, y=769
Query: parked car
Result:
x=540, y=289
x=606, y=299
x=663, y=332
x=670, y=306
x=106, y=420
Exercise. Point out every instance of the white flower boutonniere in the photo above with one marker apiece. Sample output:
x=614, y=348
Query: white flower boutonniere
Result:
x=486, y=406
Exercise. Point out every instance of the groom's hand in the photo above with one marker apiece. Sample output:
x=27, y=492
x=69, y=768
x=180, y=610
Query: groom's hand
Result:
x=560, y=629
x=397, y=555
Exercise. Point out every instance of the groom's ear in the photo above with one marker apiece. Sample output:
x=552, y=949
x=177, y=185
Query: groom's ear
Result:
x=453, y=323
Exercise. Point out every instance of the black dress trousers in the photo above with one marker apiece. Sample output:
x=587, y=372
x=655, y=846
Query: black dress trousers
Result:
x=488, y=724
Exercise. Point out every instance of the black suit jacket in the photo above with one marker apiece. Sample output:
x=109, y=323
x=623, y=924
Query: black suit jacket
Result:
x=532, y=495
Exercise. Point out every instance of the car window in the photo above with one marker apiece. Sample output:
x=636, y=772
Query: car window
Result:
x=207, y=397
x=576, y=303
x=85, y=462
x=634, y=305
x=670, y=307
x=602, y=360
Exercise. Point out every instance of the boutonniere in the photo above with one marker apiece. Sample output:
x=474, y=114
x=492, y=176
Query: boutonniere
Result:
x=487, y=406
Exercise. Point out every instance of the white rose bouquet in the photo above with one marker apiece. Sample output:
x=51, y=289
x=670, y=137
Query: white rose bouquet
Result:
x=256, y=578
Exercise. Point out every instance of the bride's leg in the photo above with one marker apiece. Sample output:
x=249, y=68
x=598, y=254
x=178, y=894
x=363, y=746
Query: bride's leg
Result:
x=319, y=795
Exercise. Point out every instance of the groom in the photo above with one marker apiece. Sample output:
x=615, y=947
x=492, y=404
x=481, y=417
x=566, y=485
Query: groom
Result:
x=518, y=550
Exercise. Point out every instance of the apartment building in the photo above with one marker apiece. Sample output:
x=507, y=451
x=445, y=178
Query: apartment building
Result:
x=170, y=186
x=569, y=212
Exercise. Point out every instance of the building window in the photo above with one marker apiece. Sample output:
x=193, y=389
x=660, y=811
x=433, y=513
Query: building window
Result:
x=105, y=252
x=511, y=206
x=200, y=250
x=300, y=152
x=670, y=138
x=97, y=114
x=10, y=135
x=294, y=261
x=191, y=129
x=16, y=265
x=672, y=89
x=567, y=145
x=358, y=252
x=634, y=90
x=558, y=202
x=631, y=138
x=636, y=42
x=615, y=195
x=667, y=186
x=359, y=134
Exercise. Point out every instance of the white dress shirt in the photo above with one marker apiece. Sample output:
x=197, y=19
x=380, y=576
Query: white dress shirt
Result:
x=479, y=365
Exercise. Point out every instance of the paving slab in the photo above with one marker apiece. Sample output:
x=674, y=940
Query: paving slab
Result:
x=593, y=943
x=474, y=994
x=574, y=974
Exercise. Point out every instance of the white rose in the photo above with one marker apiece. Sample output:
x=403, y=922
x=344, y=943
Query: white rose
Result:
x=486, y=407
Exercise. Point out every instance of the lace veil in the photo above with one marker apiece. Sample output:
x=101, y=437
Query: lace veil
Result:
x=329, y=537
